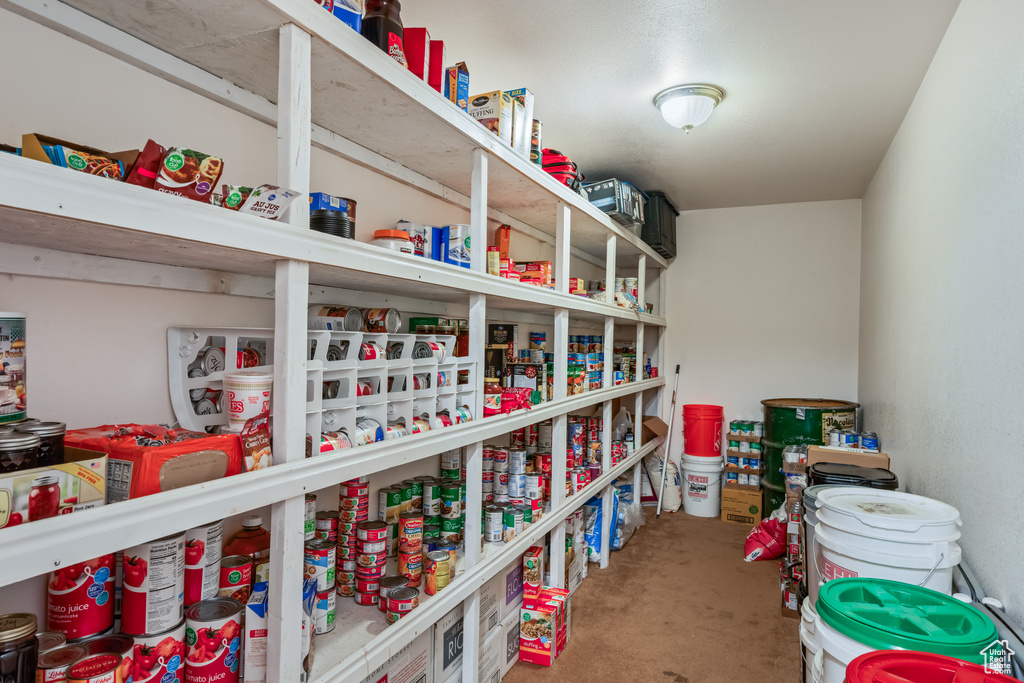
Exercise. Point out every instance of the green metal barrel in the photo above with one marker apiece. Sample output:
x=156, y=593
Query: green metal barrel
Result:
x=796, y=422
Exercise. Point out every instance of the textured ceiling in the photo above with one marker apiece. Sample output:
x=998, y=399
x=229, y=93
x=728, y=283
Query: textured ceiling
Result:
x=815, y=89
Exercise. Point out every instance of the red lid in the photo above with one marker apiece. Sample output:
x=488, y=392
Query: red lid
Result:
x=883, y=666
x=493, y=249
x=391, y=234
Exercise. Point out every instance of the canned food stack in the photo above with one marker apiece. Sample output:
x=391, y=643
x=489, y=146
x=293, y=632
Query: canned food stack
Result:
x=852, y=440
x=794, y=468
x=744, y=463
x=352, y=568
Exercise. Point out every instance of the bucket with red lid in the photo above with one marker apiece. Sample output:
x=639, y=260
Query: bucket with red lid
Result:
x=924, y=667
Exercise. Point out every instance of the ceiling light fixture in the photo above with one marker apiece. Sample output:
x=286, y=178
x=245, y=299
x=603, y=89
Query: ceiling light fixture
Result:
x=686, y=106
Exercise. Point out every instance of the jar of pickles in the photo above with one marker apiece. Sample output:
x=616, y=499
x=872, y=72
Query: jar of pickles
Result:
x=18, y=451
x=19, y=649
x=51, y=441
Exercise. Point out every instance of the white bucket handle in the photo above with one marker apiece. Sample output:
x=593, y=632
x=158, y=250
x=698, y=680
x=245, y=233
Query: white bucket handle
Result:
x=818, y=666
x=931, y=571
x=821, y=574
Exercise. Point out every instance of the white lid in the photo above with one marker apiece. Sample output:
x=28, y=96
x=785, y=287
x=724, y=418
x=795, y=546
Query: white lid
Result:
x=868, y=511
x=249, y=376
x=252, y=520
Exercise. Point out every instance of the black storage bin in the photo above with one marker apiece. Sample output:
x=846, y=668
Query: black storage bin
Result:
x=836, y=474
x=659, y=229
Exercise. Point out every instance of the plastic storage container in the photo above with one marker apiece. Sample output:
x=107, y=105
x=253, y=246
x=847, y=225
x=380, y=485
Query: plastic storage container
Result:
x=889, y=665
x=836, y=474
x=395, y=240
x=659, y=229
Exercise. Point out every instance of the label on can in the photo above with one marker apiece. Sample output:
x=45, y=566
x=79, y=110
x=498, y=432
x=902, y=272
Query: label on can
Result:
x=160, y=658
x=80, y=598
x=153, y=583
x=202, y=562
x=99, y=668
x=492, y=524
x=213, y=642
x=309, y=528
x=410, y=565
x=320, y=563
x=410, y=532
x=235, y=577
x=324, y=612
x=451, y=501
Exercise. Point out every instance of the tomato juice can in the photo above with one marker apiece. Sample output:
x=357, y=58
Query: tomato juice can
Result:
x=153, y=583
x=309, y=527
x=410, y=532
x=518, y=438
x=235, y=577
x=80, y=598
x=327, y=525
x=99, y=668
x=202, y=562
x=53, y=664
x=160, y=658
x=320, y=563
x=213, y=641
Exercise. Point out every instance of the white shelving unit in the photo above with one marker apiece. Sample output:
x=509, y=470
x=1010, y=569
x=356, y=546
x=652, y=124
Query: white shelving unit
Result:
x=249, y=55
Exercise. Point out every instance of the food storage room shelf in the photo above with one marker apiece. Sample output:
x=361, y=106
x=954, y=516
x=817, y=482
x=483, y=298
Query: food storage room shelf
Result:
x=359, y=93
x=362, y=641
x=51, y=543
x=46, y=206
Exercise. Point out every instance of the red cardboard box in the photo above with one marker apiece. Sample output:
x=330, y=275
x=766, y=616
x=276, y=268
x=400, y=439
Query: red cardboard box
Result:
x=435, y=69
x=533, y=571
x=538, y=632
x=417, y=50
x=147, y=459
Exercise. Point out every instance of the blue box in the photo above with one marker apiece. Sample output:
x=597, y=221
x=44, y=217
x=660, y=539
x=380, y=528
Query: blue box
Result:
x=439, y=243
x=456, y=85
x=348, y=16
x=319, y=201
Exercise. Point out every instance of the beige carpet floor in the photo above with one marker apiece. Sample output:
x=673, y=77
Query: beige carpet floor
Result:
x=677, y=605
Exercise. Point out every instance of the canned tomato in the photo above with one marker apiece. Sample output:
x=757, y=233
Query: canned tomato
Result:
x=368, y=585
x=368, y=431
x=99, y=668
x=53, y=664
x=160, y=658
x=372, y=531
x=235, y=577
x=153, y=586
x=324, y=612
x=80, y=598
x=403, y=600
x=410, y=565
x=320, y=563
x=326, y=525
x=435, y=571
x=410, y=532
x=500, y=460
x=345, y=590
x=381, y=320
x=451, y=501
x=213, y=641
x=517, y=438
x=387, y=585
x=202, y=562
x=366, y=598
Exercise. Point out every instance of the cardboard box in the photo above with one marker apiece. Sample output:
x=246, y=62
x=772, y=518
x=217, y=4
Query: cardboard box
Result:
x=350, y=17
x=32, y=148
x=533, y=572
x=81, y=478
x=522, y=133
x=256, y=631
x=518, y=125
x=436, y=71
x=492, y=594
x=512, y=580
x=862, y=458
x=502, y=237
x=456, y=85
x=509, y=637
x=412, y=663
x=538, y=632
x=503, y=334
x=491, y=654
x=416, y=42
x=741, y=505
x=448, y=644
x=653, y=428
x=494, y=111
x=495, y=361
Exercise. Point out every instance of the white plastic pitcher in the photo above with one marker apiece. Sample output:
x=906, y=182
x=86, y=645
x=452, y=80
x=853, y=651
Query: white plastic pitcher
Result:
x=702, y=485
x=885, y=535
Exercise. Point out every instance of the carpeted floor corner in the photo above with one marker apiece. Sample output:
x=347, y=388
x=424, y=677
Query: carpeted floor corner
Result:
x=677, y=605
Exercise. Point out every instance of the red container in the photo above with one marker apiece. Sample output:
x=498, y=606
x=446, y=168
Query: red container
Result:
x=103, y=668
x=416, y=42
x=120, y=645
x=702, y=430
x=153, y=586
x=202, y=562
x=213, y=641
x=904, y=665
x=436, y=69
x=160, y=658
x=80, y=598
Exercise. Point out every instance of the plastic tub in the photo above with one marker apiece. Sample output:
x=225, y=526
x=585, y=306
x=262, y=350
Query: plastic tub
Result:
x=395, y=240
x=838, y=474
x=702, y=484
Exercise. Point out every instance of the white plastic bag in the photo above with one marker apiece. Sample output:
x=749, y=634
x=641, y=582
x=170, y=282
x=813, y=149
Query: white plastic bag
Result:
x=673, y=496
x=631, y=518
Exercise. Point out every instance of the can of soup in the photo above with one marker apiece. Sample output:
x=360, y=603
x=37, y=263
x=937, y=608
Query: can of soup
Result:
x=334, y=318
x=382, y=320
x=320, y=563
x=100, y=668
x=403, y=600
x=153, y=583
x=387, y=585
x=327, y=525
x=410, y=565
x=53, y=664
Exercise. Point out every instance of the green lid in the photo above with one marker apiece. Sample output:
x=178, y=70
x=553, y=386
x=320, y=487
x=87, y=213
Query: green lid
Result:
x=890, y=615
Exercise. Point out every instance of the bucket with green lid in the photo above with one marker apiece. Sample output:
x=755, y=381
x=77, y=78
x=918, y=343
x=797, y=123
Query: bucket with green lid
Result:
x=856, y=615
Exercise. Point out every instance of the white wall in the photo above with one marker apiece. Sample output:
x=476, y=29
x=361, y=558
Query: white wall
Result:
x=763, y=303
x=942, y=291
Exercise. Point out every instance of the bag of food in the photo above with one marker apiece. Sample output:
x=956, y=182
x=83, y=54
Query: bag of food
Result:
x=188, y=173
x=147, y=166
x=767, y=540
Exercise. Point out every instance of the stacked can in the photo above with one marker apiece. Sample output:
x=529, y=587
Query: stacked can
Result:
x=544, y=436
x=487, y=484
x=388, y=584
x=321, y=566
x=451, y=464
x=410, y=546
x=389, y=506
x=532, y=437
x=401, y=601
x=517, y=438
x=309, y=528
x=499, y=464
x=353, y=511
x=452, y=497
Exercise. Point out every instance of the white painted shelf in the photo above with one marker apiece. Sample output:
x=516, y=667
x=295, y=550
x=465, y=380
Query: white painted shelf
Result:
x=362, y=640
x=360, y=94
x=50, y=207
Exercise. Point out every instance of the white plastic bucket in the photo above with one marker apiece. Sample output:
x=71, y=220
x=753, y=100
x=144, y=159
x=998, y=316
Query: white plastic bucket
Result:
x=810, y=520
x=702, y=485
x=885, y=535
x=809, y=645
x=835, y=652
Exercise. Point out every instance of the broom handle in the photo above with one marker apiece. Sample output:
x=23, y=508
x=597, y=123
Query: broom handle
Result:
x=668, y=443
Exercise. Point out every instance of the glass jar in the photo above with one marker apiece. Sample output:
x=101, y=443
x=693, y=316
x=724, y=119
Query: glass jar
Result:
x=51, y=440
x=44, y=499
x=18, y=451
x=19, y=649
x=382, y=26
x=492, y=396
x=395, y=240
x=253, y=541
